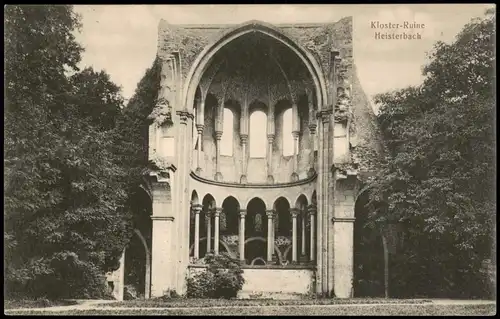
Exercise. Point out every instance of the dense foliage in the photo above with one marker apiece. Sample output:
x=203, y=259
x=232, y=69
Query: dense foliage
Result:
x=439, y=179
x=223, y=278
x=66, y=221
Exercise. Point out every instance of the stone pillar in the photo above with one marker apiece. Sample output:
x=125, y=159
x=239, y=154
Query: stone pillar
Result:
x=241, y=240
x=244, y=139
x=199, y=129
x=200, y=125
x=209, y=230
x=162, y=255
x=295, y=175
x=218, y=174
x=219, y=129
x=216, y=230
x=319, y=212
x=324, y=209
x=303, y=216
x=343, y=229
x=182, y=197
x=312, y=134
x=196, y=210
x=275, y=230
x=311, y=212
x=294, y=212
x=270, y=235
x=295, y=134
x=270, y=141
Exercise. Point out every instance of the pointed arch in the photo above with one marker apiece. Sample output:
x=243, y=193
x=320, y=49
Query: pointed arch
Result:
x=258, y=134
x=204, y=59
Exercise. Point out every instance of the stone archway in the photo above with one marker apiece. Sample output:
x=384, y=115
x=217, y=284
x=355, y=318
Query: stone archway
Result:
x=204, y=59
x=369, y=252
x=138, y=273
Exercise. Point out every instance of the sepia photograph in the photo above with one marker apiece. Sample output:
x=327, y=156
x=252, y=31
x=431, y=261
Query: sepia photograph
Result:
x=269, y=160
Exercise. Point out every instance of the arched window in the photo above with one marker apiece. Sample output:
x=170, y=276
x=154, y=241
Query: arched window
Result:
x=226, y=142
x=258, y=134
x=287, y=133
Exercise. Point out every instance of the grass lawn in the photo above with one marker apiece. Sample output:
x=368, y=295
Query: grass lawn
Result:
x=353, y=310
x=183, y=303
x=36, y=303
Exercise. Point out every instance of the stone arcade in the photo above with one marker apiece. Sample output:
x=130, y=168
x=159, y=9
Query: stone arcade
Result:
x=262, y=136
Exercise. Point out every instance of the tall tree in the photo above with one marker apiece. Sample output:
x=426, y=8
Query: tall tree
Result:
x=65, y=219
x=439, y=177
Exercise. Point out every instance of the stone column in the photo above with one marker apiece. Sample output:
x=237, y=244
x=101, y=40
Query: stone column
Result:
x=209, y=230
x=343, y=229
x=162, y=255
x=303, y=216
x=294, y=212
x=218, y=174
x=244, y=139
x=325, y=234
x=320, y=210
x=270, y=141
x=219, y=129
x=181, y=205
x=295, y=175
x=312, y=134
x=270, y=235
x=216, y=230
x=311, y=212
x=275, y=230
x=295, y=134
x=241, y=240
x=199, y=129
x=196, y=210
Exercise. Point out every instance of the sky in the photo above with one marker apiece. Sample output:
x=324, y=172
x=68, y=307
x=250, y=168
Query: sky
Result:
x=122, y=39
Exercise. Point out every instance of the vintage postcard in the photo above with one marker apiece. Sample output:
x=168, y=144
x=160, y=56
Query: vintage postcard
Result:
x=250, y=159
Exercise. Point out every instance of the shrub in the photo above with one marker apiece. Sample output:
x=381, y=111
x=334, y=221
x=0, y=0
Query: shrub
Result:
x=222, y=279
x=130, y=292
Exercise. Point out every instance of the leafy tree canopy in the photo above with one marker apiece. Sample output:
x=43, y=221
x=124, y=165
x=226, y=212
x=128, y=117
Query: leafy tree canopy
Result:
x=438, y=180
x=66, y=221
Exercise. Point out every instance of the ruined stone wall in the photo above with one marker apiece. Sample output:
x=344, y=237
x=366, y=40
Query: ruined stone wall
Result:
x=364, y=136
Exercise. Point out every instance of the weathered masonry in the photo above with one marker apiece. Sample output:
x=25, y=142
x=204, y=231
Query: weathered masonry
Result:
x=261, y=136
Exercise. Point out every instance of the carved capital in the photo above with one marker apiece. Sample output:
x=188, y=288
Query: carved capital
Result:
x=311, y=210
x=184, y=116
x=197, y=208
x=243, y=213
x=312, y=128
x=199, y=128
x=244, y=138
x=218, y=135
x=324, y=115
x=270, y=138
x=270, y=213
x=217, y=211
x=294, y=212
